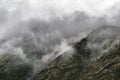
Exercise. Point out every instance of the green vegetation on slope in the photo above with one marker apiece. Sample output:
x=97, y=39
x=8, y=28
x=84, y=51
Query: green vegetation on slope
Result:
x=13, y=68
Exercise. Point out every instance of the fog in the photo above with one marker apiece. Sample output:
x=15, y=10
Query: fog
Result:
x=34, y=28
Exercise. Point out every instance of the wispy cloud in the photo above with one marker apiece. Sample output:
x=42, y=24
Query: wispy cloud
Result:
x=46, y=9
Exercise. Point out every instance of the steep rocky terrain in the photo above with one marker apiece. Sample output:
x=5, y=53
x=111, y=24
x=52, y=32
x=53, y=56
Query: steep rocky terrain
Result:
x=13, y=68
x=105, y=68
x=96, y=57
x=66, y=69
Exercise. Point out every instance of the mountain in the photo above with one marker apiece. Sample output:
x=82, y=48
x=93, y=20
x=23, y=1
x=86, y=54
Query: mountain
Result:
x=96, y=57
x=66, y=69
x=105, y=68
x=13, y=68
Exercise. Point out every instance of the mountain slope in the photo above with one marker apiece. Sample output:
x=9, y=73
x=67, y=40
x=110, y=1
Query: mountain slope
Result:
x=14, y=68
x=93, y=55
x=105, y=68
x=65, y=69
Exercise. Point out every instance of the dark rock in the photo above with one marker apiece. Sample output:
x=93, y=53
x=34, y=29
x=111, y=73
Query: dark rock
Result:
x=70, y=69
x=80, y=66
x=105, y=68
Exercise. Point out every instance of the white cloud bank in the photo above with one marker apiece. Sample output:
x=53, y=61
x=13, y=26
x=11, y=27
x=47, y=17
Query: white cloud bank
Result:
x=45, y=9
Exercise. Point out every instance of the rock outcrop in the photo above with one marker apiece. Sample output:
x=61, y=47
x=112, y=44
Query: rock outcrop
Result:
x=105, y=68
x=66, y=69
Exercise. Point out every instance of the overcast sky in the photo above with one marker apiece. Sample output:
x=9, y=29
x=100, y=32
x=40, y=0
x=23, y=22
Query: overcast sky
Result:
x=55, y=20
x=66, y=16
x=45, y=9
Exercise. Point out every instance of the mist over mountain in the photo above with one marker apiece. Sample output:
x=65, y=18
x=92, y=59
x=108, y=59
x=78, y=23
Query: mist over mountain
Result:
x=86, y=54
x=40, y=37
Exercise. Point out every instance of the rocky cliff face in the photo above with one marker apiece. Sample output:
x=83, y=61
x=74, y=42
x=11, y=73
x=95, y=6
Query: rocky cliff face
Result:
x=66, y=69
x=96, y=57
x=105, y=68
